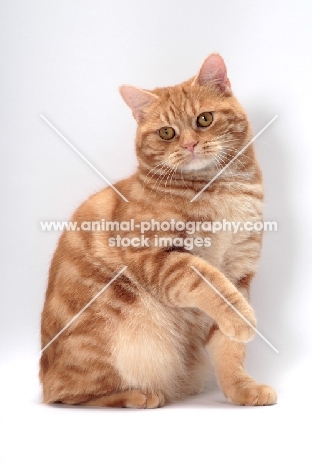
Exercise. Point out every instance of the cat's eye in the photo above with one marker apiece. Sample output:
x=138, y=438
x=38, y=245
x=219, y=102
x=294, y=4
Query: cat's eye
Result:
x=166, y=133
x=204, y=119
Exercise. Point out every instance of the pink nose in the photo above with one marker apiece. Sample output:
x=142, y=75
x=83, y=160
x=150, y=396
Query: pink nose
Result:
x=190, y=146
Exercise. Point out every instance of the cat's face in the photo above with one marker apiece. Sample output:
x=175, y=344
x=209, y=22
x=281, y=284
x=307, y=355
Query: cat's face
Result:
x=190, y=127
x=195, y=126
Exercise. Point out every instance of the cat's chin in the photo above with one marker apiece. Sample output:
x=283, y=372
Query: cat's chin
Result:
x=197, y=164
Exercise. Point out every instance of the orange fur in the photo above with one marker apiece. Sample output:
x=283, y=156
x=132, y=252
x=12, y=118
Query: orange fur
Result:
x=147, y=339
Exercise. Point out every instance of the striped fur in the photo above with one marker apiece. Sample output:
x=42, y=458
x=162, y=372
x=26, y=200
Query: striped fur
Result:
x=150, y=337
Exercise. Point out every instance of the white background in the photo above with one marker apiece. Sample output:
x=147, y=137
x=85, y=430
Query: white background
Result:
x=65, y=59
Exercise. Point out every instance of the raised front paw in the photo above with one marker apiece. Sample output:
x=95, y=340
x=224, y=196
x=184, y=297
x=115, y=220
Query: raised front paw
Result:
x=238, y=321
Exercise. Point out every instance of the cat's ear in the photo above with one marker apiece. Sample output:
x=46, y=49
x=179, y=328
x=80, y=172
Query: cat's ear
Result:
x=137, y=99
x=213, y=71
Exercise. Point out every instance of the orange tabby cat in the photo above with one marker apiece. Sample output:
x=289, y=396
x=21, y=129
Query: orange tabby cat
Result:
x=149, y=337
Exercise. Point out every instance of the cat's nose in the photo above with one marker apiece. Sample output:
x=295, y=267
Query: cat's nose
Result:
x=190, y=145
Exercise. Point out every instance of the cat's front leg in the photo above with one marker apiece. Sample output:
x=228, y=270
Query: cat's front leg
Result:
x=240, y=388
x=169, y=276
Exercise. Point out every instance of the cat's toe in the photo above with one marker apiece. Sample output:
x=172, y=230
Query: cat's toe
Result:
x=136, y=399
x=238, y=330
x=238, y=322
x=254, y=395
x=139, y=399
x=155, y=400
x=243, y=333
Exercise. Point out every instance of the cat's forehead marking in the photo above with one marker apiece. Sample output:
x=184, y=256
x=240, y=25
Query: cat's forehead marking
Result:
x=178, y=105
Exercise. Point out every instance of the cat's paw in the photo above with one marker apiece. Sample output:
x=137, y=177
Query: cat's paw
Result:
x=149, y=400
x=155, y=400
x=232, y=323
x=253, y=394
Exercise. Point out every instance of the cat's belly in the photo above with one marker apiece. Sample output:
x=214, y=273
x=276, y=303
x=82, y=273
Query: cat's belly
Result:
x=159, y=348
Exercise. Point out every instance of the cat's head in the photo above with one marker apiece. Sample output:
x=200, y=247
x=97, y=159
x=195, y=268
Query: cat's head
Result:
x=193, y=126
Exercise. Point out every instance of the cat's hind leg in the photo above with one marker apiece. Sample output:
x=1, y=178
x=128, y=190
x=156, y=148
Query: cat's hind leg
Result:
x=228, y=358
x=128, y=399
x=74, y=385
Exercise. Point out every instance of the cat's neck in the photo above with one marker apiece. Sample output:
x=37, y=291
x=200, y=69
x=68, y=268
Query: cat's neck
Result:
x=179, y=184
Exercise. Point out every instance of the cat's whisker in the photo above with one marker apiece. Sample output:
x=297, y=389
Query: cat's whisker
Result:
x=261, y=141
x=161, y=177
x=153, y=185
x=221, y=135
x=223, y=156
x=178, y=162
x=171, y=173
x=174, y=172
x=216, y=161
x=183, y=180
x=146, y=180
x=162, y=164
x=222, y=161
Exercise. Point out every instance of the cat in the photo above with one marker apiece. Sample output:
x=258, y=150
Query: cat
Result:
x=159, y=330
